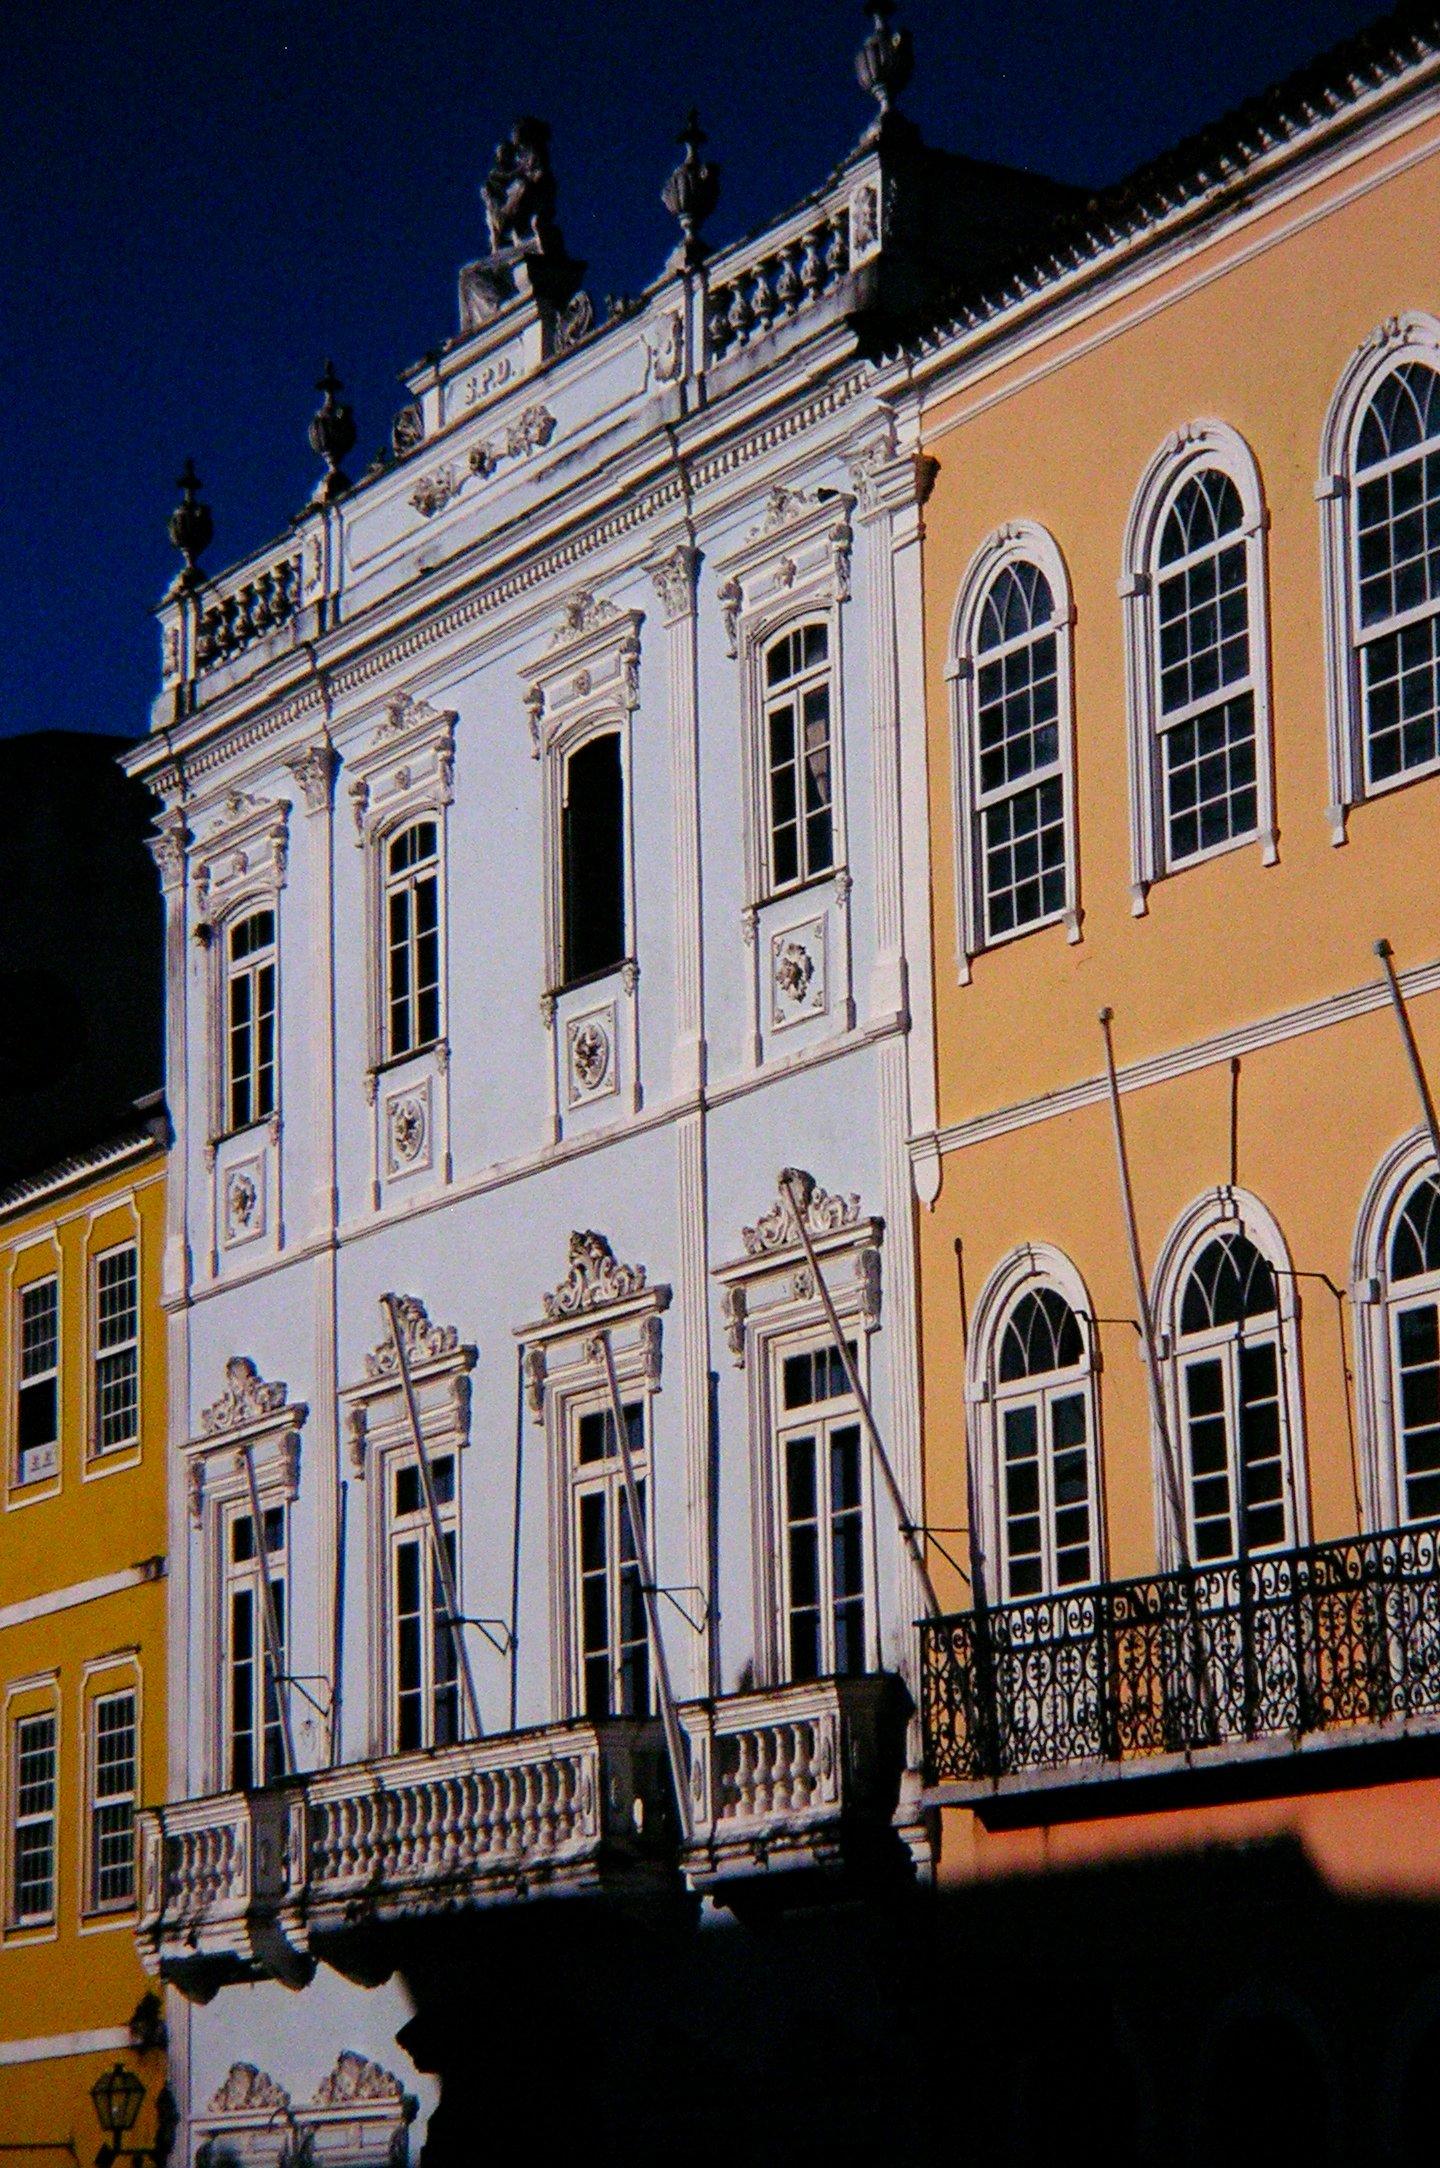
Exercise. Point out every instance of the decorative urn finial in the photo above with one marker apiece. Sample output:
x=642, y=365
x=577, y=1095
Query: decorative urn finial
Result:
x=191, y=527
x=332, y=436
x=692, y=192
x=884, y=63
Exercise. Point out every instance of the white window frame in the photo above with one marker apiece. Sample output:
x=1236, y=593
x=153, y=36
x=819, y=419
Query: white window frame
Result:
x=1414, y=336
x=102, y=1353
x=820, y=1419
x=404, y=773
x=47, y=1470
x=770, y=699
x=605, y=1478
x=242, y=1576
x=407, y=882
x=435, y=1631
x=602, y=722
x=96, y=1802
x=1222, y=1211
x=1034, y=1267
x=1017, y=542
x=1378, y=1299
x=1199, y=447
x=46, y=1712
x=250, y=969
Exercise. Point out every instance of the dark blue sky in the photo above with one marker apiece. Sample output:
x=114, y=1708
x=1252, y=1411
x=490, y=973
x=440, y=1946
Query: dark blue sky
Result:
x=202, y=202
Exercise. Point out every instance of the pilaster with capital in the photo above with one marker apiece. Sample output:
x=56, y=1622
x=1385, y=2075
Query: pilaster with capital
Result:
x=673, y=572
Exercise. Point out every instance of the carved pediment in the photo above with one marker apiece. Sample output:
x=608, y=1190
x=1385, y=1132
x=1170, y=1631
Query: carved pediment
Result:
x=247, y=2087
x=248, y=845
x=247, y=1398
x=583, y=613
x=422, y=1339
x=824, y=1214
x=356, y=2078
x=595, y=1278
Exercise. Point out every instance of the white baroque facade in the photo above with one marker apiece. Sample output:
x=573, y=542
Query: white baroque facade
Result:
x=537, y=893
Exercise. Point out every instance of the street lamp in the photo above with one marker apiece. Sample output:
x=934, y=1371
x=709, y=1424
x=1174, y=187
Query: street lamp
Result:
x=118, y=2096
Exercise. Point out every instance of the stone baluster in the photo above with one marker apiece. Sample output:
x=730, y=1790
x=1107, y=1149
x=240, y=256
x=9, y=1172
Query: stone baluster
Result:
x=740, y=315
x=812, y=266
x=837, y=255
x=762, y=296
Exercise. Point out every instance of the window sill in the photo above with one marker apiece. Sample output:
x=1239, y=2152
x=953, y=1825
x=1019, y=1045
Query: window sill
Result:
x=1069, y=917
x=261, y=1123
x=392, y=1062
x=616, y=970
x=799, y=888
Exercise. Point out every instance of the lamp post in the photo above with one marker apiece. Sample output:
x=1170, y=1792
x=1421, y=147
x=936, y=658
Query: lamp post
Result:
x=118, y=2096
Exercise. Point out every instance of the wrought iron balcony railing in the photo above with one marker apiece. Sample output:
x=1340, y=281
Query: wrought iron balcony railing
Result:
x=1288, y=1644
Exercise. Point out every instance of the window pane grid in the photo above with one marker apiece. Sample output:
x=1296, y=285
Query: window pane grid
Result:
x=1397, y=572
x=1211, y=790
x=251, y=1020
x=1020, y=797
x=426, y=1685
x=822, y=1498
x=612, y=1628
x=798, y=755
x=37, y=1399
x=412, y=920
x=112, y=1812
x=117, y=1351
x=34, y=1850
x=256, y=1740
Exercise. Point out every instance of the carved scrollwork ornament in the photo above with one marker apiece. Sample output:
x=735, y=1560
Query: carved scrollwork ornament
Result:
x=595, y=1278
x=247, y=1398
x=422, y=1339
x=824, y=1214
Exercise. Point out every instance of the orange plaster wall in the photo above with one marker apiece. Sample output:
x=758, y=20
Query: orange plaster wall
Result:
x=1062, y=437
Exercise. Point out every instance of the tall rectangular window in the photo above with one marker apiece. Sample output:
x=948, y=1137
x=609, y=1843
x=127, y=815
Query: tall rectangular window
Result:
x=113, y=1783
x=593, y=850
x=425, y=1691
x=799, y=756
x=611, y=1631
x=254, y=1738
x=116, y=1353
x=37, y=1401
x=250, y=1019
x=33, y=1850
x=412, y=939
x=821, y=1471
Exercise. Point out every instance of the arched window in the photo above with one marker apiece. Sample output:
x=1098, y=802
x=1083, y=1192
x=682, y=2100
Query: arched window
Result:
x=1194, y=588
x=1226, y=1299
x=412, y=938
x=1046, y=1486
x=1415, y=1350
x=1380, y=489
x=1397, y=570
x=1012, y=726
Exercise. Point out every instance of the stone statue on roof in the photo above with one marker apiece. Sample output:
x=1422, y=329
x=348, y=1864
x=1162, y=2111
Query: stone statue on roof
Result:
x=519, y=191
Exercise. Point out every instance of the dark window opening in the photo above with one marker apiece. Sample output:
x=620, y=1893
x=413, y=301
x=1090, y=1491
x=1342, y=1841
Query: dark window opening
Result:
x=593, y=851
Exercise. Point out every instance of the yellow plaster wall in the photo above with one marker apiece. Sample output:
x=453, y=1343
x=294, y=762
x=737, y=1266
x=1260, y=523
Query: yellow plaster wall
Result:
x=82, y=1974
x=1253, y=328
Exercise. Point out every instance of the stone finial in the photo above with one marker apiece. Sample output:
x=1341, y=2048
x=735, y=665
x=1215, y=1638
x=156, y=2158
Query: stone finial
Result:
x=191, y=527
x=691, y=193
x=332, y=437
x=884, y=65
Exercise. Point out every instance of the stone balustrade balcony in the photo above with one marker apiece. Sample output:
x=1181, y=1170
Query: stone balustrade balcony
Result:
x=246, y=1886
x=794, y=1777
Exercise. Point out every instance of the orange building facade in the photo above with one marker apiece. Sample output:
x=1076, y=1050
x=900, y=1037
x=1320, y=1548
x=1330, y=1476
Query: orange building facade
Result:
x=1182, y=681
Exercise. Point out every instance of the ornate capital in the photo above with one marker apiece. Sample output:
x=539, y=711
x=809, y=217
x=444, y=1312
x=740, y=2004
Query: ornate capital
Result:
x=314, y=770
x=168, y=844
x=674, y=578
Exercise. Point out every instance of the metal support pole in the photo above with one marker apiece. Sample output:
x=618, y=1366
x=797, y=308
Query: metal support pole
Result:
x=1142, y=1299
x=432, y=1507
x=669, y=1715
x=789, y=1180
x=269, y=1624
x=1412, y=1052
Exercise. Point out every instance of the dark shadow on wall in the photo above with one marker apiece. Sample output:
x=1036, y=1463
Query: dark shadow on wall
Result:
x=1225, y=2007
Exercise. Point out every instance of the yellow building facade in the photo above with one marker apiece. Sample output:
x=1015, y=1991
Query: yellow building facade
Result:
x=1182, y=600
x=82, y=1636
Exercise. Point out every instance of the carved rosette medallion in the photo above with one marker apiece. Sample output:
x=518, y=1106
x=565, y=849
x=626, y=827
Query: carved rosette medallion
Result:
x=244, y=1201
x=590, y=1056
x=408, y=1129
x=798, y=975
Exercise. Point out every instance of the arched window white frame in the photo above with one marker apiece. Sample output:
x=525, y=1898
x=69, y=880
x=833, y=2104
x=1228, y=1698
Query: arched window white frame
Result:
x=1197, y=656
x=1227, y=1310
x=1396, y=1290
x=1011, y=681
x=1379, y=492
x=1034, y=1430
